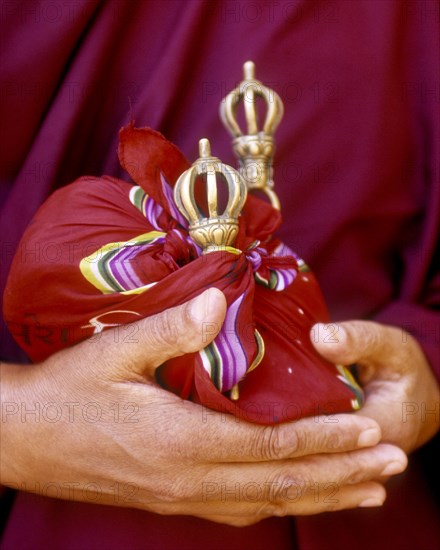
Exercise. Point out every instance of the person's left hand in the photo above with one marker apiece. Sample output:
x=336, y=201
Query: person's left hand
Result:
x=401, y=392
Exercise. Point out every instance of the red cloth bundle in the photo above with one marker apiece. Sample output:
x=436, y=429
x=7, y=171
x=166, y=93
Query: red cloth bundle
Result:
x=110, y=253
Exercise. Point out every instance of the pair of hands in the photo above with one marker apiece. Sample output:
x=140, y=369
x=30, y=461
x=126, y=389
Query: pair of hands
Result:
x=102, y=431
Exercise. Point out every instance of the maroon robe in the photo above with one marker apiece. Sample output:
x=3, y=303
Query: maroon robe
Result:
x=356, y=170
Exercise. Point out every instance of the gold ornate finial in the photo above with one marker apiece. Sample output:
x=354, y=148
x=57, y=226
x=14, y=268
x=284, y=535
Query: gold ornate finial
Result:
x=216, y=231
x=255, y=148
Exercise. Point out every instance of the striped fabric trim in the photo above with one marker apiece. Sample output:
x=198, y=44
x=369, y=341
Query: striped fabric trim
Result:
x=146, y=205
x=347, y=377
x=279, y=279
x=284, y=250
x=229, y=249
x=224, y=359
x=151, y=209
x=302, y=266
x=108, y=269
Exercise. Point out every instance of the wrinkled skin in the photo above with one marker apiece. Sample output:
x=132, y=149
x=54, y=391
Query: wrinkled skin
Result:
x=166, y=454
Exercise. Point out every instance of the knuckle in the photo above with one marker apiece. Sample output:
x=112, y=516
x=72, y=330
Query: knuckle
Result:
x=355, y=477
x=294, y=439
x=286, y=487
x=268, y=444
x=364, y=336
x=306, y=440
x=164, y=328
x=167, y=330
x=353, y=469
x=306, y=443
x=334, y=439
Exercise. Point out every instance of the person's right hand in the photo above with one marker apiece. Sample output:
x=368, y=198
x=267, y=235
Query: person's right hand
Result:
x=122, y=440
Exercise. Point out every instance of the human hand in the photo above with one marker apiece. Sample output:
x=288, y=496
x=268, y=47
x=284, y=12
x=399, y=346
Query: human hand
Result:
x=151, y=450
x=401, y=391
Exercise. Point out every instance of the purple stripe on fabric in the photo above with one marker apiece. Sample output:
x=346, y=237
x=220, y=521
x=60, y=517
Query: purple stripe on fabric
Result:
x=255, y=258
x=291, y=275
x=285, y=277
x=152, y=211
x=179, y=234
x=230, y=349
x=288, y=275
x=227, y=360
x=290, y=252
x=129, y=280
x=281, y=280
x=195, y=245
x=168, y=192
x=133, y=279
x=122, y=271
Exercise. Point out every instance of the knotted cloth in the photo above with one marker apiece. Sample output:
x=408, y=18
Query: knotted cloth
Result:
x=102, y=253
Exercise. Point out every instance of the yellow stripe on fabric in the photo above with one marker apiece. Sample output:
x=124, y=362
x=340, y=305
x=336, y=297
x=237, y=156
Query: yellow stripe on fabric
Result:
x=89, y=266
x=229, y=249
x=138, y=290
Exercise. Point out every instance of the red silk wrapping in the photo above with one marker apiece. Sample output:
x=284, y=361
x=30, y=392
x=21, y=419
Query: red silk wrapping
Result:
x=54, y=298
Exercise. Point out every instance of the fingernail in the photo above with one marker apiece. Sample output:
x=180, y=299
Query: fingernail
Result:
x=329, y=333
x=369, y=437
x=199, y=307
x=371, y=502
x=393, y=468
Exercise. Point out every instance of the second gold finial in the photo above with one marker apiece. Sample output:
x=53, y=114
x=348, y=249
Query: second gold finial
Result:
x=254, y=148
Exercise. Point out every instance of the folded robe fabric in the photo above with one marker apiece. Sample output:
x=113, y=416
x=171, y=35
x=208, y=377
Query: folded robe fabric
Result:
x=102, y=253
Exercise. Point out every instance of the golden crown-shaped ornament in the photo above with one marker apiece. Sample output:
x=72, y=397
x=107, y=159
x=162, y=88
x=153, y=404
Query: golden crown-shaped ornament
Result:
x=254, y=149
x=215, y=231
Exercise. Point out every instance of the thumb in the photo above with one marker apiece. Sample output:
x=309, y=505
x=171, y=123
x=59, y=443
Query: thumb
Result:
x=364, y=342
x=176, y=331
